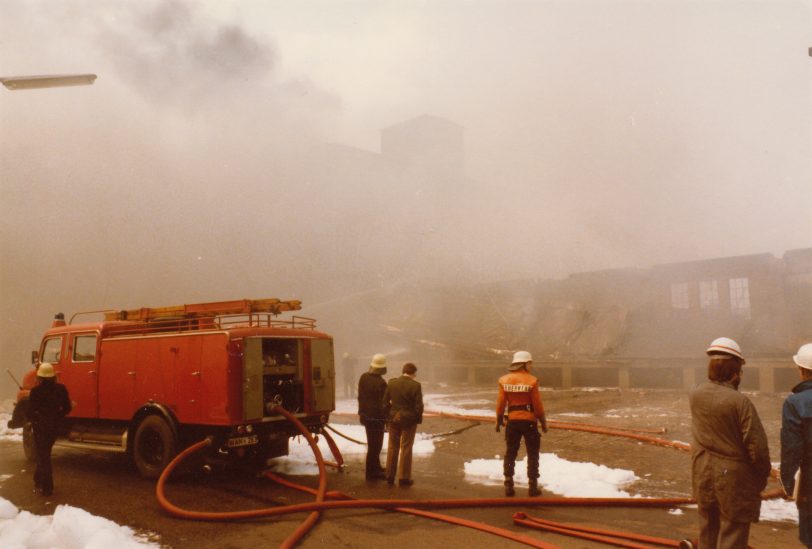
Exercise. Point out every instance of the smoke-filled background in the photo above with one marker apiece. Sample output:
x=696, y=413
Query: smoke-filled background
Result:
x=232, y=149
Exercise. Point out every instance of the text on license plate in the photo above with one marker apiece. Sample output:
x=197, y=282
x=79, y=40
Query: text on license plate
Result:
x=242, y=441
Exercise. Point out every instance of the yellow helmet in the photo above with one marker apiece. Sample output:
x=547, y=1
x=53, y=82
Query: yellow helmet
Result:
x=46, y=369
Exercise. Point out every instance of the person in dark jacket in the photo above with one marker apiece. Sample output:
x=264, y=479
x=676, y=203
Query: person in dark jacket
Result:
x=796, y=444
x=48, y=403
x=403, y=403
x=371, y=388
x=730, y=458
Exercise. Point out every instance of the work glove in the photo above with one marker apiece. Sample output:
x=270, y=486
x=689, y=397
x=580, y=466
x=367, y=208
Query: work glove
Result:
x=499, y=423
x=543, y=424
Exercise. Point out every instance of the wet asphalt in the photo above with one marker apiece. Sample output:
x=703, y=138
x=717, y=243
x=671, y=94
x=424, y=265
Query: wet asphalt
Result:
x=107, y=484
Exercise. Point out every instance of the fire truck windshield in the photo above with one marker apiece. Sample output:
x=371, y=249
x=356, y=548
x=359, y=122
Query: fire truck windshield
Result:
x=52, y=350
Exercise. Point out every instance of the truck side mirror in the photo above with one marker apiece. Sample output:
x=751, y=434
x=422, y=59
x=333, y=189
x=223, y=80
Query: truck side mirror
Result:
x=34, y=357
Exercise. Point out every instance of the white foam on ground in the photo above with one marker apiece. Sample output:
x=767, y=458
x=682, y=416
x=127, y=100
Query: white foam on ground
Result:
x=14, y=435
x=300, y=460
x=68, y=528
x=560, y=476
x=573, y=479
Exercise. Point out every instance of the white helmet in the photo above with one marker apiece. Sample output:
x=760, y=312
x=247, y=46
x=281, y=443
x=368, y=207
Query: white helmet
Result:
x=804, y=357
x=46, y=369
x=378, y=362
x=725, y=346
x=519, y=360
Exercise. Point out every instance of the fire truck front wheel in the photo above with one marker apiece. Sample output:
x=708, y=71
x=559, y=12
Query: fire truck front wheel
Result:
x=154, y=446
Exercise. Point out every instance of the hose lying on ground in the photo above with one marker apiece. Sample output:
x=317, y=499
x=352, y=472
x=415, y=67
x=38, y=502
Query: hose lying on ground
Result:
x=611, y=431
x=465, y=503
x=487, y=528
x=346, y=437
x=612, y=537
x=412, y=505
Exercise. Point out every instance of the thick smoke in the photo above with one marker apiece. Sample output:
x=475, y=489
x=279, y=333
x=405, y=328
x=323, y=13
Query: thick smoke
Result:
x=165, y=182
x=598, y=135
x=175, y=59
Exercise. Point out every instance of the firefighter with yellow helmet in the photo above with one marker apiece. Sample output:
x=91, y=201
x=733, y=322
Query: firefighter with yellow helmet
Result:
x=519, y=394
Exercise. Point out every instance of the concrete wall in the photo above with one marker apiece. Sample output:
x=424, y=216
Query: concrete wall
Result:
x=759, y=375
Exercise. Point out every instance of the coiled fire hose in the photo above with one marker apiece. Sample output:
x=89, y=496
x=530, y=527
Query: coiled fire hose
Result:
x=411, y=506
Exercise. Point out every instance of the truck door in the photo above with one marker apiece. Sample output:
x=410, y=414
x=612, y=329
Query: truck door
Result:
x=80, y=374
x=184, y=354
x=117, y=377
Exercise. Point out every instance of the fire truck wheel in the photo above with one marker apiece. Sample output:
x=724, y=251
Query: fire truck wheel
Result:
x=154, y=446
x=28, y=442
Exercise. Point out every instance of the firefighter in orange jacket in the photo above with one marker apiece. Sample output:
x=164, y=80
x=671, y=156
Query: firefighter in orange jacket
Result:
x=519, y=392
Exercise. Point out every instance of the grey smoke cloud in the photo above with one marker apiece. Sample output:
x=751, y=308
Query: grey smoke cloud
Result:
x=174, y=56
x=598, y=135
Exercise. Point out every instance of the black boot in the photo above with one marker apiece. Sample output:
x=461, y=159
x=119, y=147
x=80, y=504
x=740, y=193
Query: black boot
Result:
x=509, y=491
x=533, y=488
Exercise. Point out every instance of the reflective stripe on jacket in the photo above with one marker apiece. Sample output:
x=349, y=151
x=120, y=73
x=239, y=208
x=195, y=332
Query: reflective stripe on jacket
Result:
x=519, y=389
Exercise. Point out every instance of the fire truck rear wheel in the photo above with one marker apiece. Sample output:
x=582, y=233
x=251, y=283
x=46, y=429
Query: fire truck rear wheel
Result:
x=154, y=446
x=28, y=442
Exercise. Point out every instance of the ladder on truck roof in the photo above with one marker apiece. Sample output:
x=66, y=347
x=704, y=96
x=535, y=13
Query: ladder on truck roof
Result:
x=207, y=310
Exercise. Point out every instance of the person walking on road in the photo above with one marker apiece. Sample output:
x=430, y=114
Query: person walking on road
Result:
x=403, y=403
x=729, y=455
x=48, y=403
x=796, y=444
x=519, y=392
x=371, y=388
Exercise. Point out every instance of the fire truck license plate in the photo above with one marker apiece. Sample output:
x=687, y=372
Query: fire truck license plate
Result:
x=242, y=441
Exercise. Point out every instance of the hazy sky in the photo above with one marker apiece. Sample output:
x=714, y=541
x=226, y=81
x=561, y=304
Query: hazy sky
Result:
x=599, y=134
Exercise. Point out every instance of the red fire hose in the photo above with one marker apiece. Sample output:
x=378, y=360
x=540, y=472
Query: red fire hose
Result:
x=604, y=536
x=396, y=504
x=339, y=462
x=613, y=431
x=532, y=542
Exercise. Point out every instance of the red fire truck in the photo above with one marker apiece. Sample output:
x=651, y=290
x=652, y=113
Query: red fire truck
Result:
x=151, y=381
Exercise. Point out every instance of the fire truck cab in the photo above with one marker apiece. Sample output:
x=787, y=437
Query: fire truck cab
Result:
x=152, y=381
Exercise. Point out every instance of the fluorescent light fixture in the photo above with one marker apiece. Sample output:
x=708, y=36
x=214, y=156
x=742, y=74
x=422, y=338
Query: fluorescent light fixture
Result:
x=47, y=81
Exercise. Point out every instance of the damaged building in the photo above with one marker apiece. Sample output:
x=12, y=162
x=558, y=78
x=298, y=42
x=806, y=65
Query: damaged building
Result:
x=639, y=327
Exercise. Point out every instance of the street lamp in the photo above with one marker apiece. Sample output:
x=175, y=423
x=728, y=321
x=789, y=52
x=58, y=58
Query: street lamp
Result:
x=47, y=81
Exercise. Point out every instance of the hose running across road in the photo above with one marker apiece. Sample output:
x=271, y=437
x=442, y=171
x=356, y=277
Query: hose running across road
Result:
x=416, y=507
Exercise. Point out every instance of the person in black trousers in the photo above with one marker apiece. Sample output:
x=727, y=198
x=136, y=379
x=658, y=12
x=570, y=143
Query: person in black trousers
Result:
x=371, y=387
x=48, y=403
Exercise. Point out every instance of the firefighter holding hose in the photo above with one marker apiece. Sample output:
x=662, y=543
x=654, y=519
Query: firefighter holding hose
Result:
x=519, y=393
